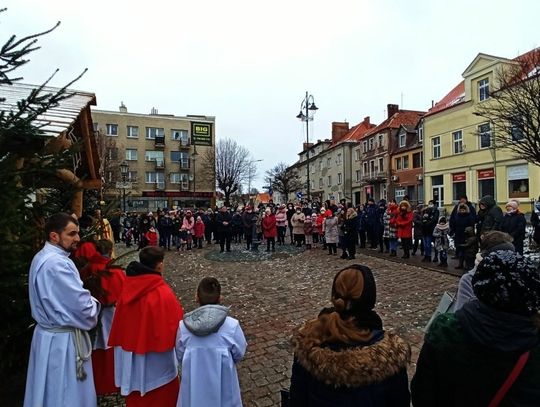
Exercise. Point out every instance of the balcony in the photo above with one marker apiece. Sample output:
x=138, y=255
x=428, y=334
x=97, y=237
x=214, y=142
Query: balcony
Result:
x=184, y=186
x=185, y=144
x=184, y=165
x=376, y=176
x=159, y=142
x=160, y=164
x=160, y=186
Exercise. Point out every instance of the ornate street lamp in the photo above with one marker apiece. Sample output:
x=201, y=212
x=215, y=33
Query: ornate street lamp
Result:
x=124, y=169
x=307, y=110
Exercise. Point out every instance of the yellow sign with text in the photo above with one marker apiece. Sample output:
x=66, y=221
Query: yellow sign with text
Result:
x=201, y=134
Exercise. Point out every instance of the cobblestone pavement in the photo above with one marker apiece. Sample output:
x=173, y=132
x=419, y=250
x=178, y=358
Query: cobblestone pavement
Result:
x=273, y=293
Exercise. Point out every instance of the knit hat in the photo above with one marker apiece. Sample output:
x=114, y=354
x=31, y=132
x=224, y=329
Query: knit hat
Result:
x=496, y=240
x=508, y=282
x=513, y=204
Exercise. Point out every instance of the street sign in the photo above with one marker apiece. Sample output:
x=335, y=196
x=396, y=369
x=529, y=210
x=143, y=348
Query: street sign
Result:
x=299, y=195
x=123, y=185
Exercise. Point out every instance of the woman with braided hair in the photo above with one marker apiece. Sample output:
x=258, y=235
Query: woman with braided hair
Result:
x=344, y=357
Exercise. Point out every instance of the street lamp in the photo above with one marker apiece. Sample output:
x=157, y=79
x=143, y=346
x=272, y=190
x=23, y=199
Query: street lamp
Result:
x=124, y=168
x=194, y=159
x=307, y=110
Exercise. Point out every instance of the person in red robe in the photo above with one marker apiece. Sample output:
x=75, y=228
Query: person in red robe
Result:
x=143, y=334
x=105, y=283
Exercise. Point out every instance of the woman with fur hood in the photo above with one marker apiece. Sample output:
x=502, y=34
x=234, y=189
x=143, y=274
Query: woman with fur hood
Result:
x=344, y=357
x=514, y=224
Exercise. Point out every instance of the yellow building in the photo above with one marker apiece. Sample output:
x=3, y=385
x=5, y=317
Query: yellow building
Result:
x=166, y=157
x=460, y=153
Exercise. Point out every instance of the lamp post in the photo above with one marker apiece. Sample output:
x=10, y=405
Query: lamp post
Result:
x=307, y=110
x=124, y=168
x=194, y=159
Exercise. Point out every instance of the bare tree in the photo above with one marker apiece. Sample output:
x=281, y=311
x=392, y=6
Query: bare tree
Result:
x=110, y=161
x=231, y=162
x=283, y=179
x=514, y=107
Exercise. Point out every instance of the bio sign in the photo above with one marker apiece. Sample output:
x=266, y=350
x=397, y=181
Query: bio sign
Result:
x=201, y=134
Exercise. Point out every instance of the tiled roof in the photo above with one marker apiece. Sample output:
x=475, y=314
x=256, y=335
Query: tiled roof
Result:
x=57, y=119
x=401, y=117
x=457, y=95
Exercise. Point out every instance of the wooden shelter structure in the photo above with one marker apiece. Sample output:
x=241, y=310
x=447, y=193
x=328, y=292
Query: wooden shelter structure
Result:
x=69, y=123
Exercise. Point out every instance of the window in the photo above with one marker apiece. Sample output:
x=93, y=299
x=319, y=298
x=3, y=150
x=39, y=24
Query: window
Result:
x=486, y=187
x=518, y=181
x=381, y=164
x=96, y=127
x=312, y=183
x=357, y=155
x=366, y=169
x=516, y=129
x=436, y=147
x=328, y=162
x=152, y=132
x=405, y=162
x=484, y=131
x=320, y=183
x=399, y=194
x=329, y=181
x=153, y=177
x=421, y=133
x=338, y=160
x=182, y=157
x=151, y=155
x=131, y=154
x=402, y=139
x=339, y=178
x=457, y=137
x=380, y=143
x=112, y=153
x=458, y=190
x=131, y=176
x=132, y=131
x=398, y=163
x=112, y=130
x=370, y=143
x=358, y=175
x=417, y=160
x=180, y=178
x=364, y=146
x=372, y=166
x=180, y=135
x=320, y=165
x=483, y=89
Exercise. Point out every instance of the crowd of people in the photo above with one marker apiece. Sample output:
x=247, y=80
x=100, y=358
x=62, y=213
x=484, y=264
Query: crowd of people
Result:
x=383, y=226
x=101, y=330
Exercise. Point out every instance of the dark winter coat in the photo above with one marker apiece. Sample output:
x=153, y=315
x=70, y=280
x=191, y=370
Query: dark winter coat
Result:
x=417, y=224
x=339, y=375
x=372, y=215
x=249, y=220
x=458, y=223
x=515, y=225
x=430, y=217
x=535, y=221
x=224, y=217
x=467, y=356
x=491, y=217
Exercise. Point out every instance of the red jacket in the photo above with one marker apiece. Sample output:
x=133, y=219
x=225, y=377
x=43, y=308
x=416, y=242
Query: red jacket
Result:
x=269, y=226
x=198, y=230
x=404, y=222
x=151, y=238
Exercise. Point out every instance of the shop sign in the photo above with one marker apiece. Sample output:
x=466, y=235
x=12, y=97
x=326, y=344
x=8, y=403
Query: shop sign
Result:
x=483, y=174
x=201, y=134
x=459, y=177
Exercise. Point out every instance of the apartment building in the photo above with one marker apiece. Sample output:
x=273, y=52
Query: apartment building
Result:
x=372, y=169
x=460, y=155
x=170, y=159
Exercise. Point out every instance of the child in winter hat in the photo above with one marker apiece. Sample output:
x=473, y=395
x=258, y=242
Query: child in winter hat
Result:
x=508, y=282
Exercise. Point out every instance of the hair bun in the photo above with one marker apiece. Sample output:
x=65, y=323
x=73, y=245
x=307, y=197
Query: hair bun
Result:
x=339, y=305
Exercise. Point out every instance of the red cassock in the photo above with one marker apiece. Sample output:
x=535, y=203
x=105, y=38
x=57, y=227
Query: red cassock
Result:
x=111, y=280
x=146, y=320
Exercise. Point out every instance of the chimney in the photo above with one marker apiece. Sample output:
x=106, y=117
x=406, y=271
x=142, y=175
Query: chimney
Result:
x=122, y=108
x=366, y=121
x=392, y=109
x=306, y=146
x=339, y=129
x=154, y=111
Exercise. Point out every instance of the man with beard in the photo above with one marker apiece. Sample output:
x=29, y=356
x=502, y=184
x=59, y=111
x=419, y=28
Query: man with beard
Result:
x=60, y=369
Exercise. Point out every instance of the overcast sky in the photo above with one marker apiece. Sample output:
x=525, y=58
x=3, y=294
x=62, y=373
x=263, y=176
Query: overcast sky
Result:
x=249, y=62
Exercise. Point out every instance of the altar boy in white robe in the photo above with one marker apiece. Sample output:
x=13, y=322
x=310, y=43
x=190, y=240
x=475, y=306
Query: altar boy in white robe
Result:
x=60, y=368
x=209, y=344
